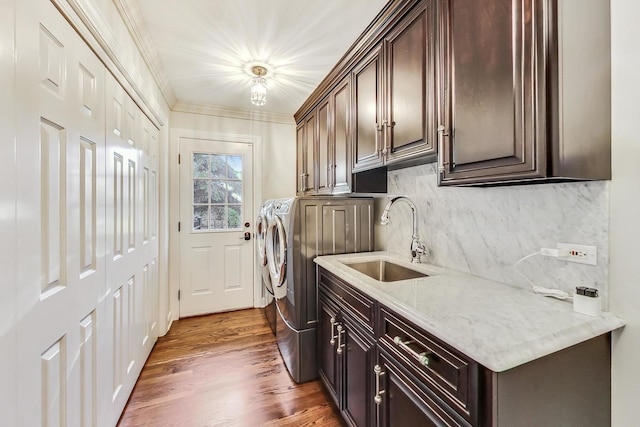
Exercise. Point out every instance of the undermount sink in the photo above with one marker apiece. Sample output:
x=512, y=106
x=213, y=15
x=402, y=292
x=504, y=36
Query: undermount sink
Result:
x=385, y=271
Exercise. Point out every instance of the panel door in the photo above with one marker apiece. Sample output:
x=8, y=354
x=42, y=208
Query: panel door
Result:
x=405, y=403
x=301, y=153
x=310, y=150
x=494, y=85
x=325, y=160
x=328, y=368
x=60, y=148
x=8, y=243
x=216, y=216
x=148, y=221
x=341, y=138
x=410, y=109
x=367, y=112
x=358, y=356
x=126, y=262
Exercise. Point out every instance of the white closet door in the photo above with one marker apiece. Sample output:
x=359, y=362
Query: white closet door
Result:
x=7, y=220
x=60, y=191
x=149, y=196
x=131, y=242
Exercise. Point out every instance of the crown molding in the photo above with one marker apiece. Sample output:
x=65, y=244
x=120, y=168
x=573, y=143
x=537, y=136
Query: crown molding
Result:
x=132, y=17
x=97, y=33
x=220, y=111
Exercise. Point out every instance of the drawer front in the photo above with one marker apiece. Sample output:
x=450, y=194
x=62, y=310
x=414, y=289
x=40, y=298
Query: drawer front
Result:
x=405, y=403
x=447, y=372
x=356, y=303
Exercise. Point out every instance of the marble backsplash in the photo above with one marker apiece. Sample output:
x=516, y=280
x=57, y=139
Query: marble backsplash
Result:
x=485, y=231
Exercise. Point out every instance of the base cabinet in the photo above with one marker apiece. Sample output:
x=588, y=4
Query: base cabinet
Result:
x=383, y=370
x=346, y=351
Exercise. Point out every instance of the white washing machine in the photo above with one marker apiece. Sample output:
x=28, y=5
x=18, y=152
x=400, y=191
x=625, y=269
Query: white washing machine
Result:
x=300, y=229
x=262, y=224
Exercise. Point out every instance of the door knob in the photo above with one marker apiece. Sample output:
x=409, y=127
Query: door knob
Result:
x=247, y=236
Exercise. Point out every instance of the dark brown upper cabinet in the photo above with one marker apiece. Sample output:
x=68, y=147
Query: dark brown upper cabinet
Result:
x=324, y=145
x=394, y=94
x=524, y=91
x=306, y=155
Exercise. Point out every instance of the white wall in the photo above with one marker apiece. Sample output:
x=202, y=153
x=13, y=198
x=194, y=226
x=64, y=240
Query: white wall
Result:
x=625, y=210
x=485, y=231
x=277, y=147
x=275, y=166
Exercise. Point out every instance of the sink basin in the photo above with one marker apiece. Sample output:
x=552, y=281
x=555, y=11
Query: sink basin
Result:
x=385, y=271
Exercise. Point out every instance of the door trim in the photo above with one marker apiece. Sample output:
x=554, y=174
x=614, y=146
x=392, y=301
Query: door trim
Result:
x=176, y=135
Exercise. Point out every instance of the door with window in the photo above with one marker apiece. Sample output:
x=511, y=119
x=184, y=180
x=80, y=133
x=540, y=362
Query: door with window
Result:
x=216, y=221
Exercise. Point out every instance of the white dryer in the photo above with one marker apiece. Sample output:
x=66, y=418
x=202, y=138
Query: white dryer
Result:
x=262, y=224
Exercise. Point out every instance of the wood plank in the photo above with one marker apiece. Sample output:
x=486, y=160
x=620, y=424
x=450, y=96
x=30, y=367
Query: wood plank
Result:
x=223, y=370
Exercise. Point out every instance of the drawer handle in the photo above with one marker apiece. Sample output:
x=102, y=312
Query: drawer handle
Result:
x=422, y=358
x=378, y=397
x=340, y=343
x=332, y=341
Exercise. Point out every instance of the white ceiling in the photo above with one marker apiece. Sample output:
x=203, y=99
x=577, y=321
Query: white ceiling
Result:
x=205, y=46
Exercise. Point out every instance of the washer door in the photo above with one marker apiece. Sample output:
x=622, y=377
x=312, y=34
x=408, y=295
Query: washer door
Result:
x=277, y=251
x=261, y=237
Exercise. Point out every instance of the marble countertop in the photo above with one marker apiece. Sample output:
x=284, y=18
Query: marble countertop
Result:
x=497, y=325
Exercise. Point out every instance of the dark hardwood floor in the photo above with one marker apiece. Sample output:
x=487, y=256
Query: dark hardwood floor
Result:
x=223, y=370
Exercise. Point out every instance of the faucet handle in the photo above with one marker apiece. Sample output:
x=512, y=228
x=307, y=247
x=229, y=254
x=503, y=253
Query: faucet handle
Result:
x=417, y=250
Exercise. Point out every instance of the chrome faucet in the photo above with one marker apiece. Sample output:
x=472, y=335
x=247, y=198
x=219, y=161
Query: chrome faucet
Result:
x=417, y=248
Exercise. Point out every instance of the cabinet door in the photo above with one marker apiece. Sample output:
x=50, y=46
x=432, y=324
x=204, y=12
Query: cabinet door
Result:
x=367, y=95
x=357, y=354
x=301, y=144
x=327, y=342
x=310, y=178
x=494, y=115
x=341, y=143
x=325, y=162
x=410, y=112
x=405, y=403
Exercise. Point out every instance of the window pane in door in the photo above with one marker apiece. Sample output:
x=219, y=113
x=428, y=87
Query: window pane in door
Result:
x=200, y=191
x=234, y=167
x=234, y=216
x=218, y=166
x=200, y=217
x=200, y=165
x=218, y=221
x=217, y=192
x=234, y=193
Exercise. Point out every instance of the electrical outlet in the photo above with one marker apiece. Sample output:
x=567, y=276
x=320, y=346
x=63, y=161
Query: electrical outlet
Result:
x=579, y=253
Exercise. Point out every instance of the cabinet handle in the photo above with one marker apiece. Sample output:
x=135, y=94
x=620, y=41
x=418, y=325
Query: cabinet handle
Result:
x=378, y=128
x=441, y=134
x=340, y=343
x=422, y=358
x=332, y=341
x=378, y=397
x=332, y=175
x=385, y=150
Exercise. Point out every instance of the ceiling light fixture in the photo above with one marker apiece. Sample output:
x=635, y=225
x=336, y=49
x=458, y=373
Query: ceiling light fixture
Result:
x=258, y=86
